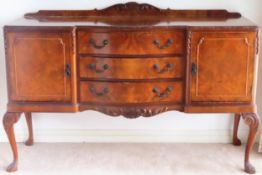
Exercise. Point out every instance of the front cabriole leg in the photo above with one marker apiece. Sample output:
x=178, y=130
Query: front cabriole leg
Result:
x=252, y=120
x=10, y=118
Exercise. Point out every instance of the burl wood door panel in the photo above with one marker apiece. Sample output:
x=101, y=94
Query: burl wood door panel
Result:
x=132, y=68
x=37, y=63
x=131, y=92
x=222, y=66
x=131, y=42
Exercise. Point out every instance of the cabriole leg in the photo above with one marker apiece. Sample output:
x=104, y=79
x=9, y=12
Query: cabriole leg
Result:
x=30, y=140
x=10, y=118
x=236, y=140
x=252, y=120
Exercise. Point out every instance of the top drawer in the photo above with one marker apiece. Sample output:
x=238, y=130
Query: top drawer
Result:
x=131, y=42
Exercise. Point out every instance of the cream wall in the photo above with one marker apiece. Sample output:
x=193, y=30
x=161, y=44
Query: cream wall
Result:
x=93, y=126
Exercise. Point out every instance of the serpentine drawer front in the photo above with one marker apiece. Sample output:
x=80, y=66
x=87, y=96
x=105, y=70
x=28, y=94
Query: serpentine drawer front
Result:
x=131, y=42
x=132, y=60
x=132, y=68
x=131, y=92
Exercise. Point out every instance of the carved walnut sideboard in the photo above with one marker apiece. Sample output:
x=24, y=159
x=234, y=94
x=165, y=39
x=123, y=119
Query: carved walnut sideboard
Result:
x=132, y=60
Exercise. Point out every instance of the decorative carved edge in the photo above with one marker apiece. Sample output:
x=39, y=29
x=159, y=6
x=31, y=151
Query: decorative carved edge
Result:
x=132, y=7
x=257, y=42
x=5, y=42
x=74, y=39
x=132, y=112
x=188, y=57
x=189, y=38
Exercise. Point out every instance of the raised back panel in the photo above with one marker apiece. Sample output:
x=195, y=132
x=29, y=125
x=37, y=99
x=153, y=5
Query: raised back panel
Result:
x=131, y=13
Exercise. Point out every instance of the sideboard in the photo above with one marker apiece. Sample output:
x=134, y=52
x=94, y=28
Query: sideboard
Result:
x=132, y=60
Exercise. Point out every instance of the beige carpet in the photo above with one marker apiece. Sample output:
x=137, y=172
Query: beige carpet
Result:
x=129, y=159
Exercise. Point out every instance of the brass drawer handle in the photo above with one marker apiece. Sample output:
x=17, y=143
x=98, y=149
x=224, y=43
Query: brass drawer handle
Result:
x=93, y=67
x=167, y=68
x=162, y=94
x=99, y=94
x=194, y=69
x=93, y=43
x=166, y=45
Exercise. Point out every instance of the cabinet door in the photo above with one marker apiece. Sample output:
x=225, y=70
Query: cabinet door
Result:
x=37, y=63
x=221, y=66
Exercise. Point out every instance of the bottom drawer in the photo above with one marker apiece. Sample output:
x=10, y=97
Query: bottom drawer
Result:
x=131, y=92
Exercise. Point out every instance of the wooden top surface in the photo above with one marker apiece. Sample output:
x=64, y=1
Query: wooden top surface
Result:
x=134, y=15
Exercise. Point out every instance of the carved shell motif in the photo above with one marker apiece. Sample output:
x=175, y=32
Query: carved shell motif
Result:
x=132, y=112
x=131, y=8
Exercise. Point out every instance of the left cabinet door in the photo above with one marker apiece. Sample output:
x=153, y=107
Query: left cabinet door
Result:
x=38, y=65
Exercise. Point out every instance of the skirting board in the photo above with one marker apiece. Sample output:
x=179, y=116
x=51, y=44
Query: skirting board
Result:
x=132, y=136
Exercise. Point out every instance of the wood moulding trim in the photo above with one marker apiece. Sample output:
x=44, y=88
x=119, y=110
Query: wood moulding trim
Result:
x=148, y=56
x=130, y=111
x=112, y=80
x=219, y=108
x=257, y=42
x=48, y=107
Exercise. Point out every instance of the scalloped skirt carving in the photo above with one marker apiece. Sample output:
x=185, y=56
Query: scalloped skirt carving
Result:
x=131, y=112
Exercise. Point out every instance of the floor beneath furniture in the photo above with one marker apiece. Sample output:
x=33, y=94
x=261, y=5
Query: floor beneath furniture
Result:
x=128, y=159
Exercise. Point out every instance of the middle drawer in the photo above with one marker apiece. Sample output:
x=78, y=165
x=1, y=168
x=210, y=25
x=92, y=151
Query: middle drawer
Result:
x=131, y=68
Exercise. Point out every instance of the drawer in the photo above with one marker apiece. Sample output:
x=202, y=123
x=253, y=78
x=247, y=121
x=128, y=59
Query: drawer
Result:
x=130, y=92
x=131, y=42
x=131, y=68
